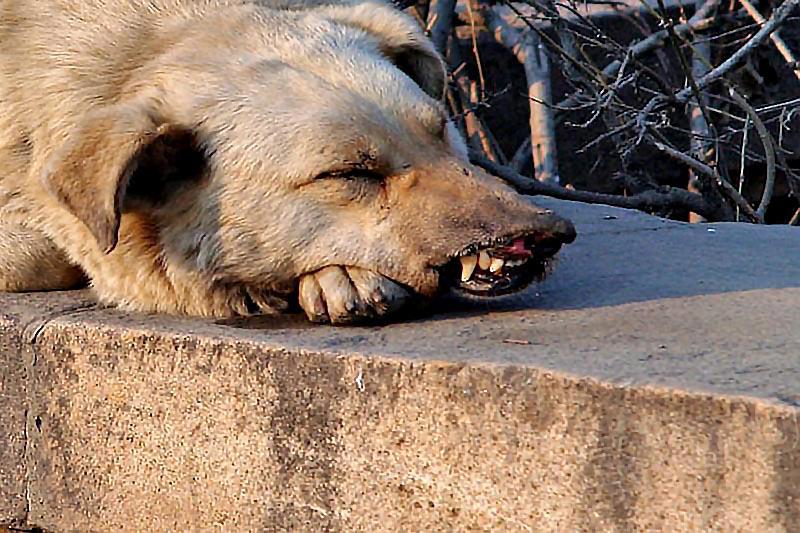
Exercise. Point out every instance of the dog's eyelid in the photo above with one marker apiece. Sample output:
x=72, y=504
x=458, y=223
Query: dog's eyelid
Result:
x=352, y=173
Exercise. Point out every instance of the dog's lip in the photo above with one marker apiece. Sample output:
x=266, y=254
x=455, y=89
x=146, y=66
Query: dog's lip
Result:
x=503, y=265
x=545, y=225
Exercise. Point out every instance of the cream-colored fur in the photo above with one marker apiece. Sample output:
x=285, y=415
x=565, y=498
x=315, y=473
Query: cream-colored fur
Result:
x=206, y=156
x=29, y=261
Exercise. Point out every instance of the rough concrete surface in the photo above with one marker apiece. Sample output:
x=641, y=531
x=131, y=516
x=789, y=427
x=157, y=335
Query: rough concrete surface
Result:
x=652, y=383
x=12, y=426
x=20, y=321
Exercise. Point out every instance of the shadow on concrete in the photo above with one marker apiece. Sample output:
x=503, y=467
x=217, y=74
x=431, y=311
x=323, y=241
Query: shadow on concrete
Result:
x=622, y=266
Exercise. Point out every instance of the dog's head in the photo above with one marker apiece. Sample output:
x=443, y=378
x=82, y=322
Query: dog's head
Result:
x=264, y=145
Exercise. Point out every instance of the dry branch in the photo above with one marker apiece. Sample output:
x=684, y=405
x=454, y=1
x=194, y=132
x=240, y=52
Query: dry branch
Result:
x=699, y=121
x=684, y=95
x=528, y=50
x=777, y=40
x=699, y=21
x=664, y=199
x=636, y=101
x=440, y=22
x=706, y=170
x=795, y=221
x=778, y=17
x=769, y=150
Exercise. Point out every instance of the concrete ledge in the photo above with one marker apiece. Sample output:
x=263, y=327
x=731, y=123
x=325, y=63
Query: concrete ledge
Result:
x=12, y=426
x=651, y=384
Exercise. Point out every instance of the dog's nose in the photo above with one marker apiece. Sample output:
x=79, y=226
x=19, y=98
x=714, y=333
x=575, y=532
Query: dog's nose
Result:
x=553, y=227
x=564, y=231
x=553, y=235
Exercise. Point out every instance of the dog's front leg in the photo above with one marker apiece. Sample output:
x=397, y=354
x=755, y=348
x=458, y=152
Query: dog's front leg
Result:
x=345, y=295
x=29, y=261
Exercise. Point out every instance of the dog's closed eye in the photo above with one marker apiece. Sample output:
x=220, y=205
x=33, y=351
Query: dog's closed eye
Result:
x=352, y=174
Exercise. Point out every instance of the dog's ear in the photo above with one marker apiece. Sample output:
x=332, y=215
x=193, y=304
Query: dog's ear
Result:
x=401, y=39
x=90, y=173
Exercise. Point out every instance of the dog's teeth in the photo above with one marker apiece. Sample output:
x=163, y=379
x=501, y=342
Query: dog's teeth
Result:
x=496, y=265
x=484, y=260
x=468, y=264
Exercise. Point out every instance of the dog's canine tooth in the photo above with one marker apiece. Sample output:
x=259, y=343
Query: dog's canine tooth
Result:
x=468, y=264
x=496, y=265
x=484, y=260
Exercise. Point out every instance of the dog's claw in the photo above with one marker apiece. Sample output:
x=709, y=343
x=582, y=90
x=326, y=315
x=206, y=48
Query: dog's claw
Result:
x=382, y=295
x=311, y=300
x=346, y=295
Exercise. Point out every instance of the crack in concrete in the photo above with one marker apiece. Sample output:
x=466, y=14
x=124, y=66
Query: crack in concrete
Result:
x=34, y=328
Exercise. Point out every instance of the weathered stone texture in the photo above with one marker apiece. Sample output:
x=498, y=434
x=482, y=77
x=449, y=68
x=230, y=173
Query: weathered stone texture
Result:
x=144, y=430
x=12, y=425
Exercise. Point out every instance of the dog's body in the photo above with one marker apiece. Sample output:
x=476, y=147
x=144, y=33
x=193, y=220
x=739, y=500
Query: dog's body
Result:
x=202, y=156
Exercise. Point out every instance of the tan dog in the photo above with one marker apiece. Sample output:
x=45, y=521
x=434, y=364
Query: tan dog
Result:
x=215, y=157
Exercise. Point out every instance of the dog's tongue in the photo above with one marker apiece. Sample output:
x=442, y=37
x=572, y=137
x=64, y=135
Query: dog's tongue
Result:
x=517, y=247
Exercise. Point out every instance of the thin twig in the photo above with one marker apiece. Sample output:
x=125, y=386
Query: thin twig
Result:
x=795, y=221
x=702, y=168
x=791, y=177
x=769, y=150
x=475, y=50
x=743, y=160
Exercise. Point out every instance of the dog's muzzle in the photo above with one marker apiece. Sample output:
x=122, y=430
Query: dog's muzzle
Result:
x=505, y=265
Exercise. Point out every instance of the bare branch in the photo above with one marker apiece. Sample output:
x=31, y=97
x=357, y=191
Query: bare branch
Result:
x=778, y=17
x=743, y=159
x=637, y=101
x=795, y=221
x=440, y=21
x=777, y=40
x=769, y=150
x=477, y=135
x=528, y=50
x=701, y=144
x=699, y=21
x=521, y=156
x=702, y=168
x=664, y=199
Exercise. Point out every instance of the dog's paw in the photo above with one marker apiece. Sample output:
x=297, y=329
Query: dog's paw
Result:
x=345, y=295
